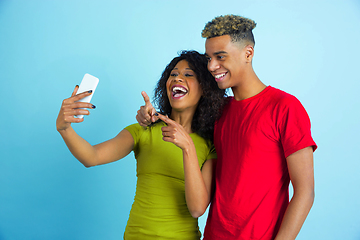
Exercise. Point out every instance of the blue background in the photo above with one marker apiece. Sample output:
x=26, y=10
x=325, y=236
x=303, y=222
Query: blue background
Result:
x=307, y=48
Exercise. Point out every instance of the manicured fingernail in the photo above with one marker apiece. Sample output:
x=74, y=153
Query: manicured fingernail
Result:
x=90, y=91
x=156, y=114
x=77, y=85
x=93, y=106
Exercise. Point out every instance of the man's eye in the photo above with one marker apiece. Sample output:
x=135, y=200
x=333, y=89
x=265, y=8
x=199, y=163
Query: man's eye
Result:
x=220, y=57
x=208, y=59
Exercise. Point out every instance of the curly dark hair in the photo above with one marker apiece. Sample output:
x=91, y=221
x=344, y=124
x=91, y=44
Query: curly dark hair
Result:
x=239, y=28
x=210, y=104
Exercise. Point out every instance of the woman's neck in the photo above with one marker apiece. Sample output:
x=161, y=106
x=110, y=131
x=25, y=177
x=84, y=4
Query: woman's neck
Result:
x=184, y=118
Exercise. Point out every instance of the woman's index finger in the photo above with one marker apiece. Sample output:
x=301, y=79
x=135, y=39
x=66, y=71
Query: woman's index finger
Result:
x=79, y=96
x=165, y=119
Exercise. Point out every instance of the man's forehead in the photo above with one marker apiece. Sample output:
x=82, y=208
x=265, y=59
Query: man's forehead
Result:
x=216, y=44
x=222, y=45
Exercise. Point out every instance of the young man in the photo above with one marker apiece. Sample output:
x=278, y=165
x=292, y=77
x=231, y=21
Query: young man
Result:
x=262, y=139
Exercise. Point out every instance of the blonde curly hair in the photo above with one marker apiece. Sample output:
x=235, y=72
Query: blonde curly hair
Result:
x=239, y=28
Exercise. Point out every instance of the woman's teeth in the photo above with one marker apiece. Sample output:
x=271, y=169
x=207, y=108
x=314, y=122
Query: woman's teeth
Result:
x=179, y=91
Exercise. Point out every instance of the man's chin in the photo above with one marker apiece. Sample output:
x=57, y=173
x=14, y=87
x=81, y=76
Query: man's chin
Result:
x=222, y=85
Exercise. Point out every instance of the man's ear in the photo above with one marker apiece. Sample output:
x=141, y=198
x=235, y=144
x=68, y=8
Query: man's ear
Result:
x=249, y=53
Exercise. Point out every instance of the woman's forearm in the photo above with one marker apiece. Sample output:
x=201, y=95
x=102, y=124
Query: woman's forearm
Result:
x=196, y=193
x=79, y=147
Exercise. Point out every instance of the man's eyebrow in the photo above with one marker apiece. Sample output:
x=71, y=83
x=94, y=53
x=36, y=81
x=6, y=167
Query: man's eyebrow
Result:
x=220, y=52
x=216, y=53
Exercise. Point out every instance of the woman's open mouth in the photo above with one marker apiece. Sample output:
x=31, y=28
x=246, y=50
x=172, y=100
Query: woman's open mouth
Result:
x=178, y=91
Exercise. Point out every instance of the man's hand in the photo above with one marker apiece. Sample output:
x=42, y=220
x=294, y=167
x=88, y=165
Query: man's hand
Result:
x=146, y=115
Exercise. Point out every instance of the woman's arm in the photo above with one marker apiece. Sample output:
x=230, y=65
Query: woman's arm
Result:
x=198, y=184
x=89, y=155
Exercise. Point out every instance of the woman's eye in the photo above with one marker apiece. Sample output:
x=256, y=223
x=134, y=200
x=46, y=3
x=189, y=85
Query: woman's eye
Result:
x=189, y=75
x=173, y=74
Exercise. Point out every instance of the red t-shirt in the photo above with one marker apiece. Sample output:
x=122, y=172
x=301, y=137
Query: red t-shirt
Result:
x=252, y=139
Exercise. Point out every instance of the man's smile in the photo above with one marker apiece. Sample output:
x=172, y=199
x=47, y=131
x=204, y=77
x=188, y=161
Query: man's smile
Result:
x=220, y=76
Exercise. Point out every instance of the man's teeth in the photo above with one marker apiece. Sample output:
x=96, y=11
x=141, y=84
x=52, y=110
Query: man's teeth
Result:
x=220, y=75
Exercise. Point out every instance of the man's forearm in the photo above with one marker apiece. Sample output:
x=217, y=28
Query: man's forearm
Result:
x=295, y=215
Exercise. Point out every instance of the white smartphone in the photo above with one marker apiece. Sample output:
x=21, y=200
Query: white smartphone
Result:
x=88, y=83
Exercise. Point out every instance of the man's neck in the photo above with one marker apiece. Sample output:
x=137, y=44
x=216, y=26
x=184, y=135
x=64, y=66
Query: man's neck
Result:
x=249, y=87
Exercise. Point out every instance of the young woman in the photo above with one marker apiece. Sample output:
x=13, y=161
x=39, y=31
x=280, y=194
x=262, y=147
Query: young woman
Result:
x=175, y=155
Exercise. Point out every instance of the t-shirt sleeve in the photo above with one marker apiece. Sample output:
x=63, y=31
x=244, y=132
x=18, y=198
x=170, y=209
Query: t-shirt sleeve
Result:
x=212, y=153
x=205, y=149
x=295, y=127
x=135, y=131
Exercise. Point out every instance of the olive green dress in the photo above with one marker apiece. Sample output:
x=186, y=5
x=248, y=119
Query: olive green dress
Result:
x=159, y=210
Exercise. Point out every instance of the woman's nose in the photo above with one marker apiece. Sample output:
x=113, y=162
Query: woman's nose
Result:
x=178, y=79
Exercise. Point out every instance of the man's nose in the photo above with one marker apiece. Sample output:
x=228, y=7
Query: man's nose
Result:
x=213, y=65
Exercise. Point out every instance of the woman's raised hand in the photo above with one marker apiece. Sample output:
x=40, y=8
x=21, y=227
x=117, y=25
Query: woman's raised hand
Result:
x=70, y=107
x=175, y=133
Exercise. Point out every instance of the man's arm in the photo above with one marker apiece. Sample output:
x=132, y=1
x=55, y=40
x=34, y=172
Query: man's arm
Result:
x=301, y=171
x=146, y=114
